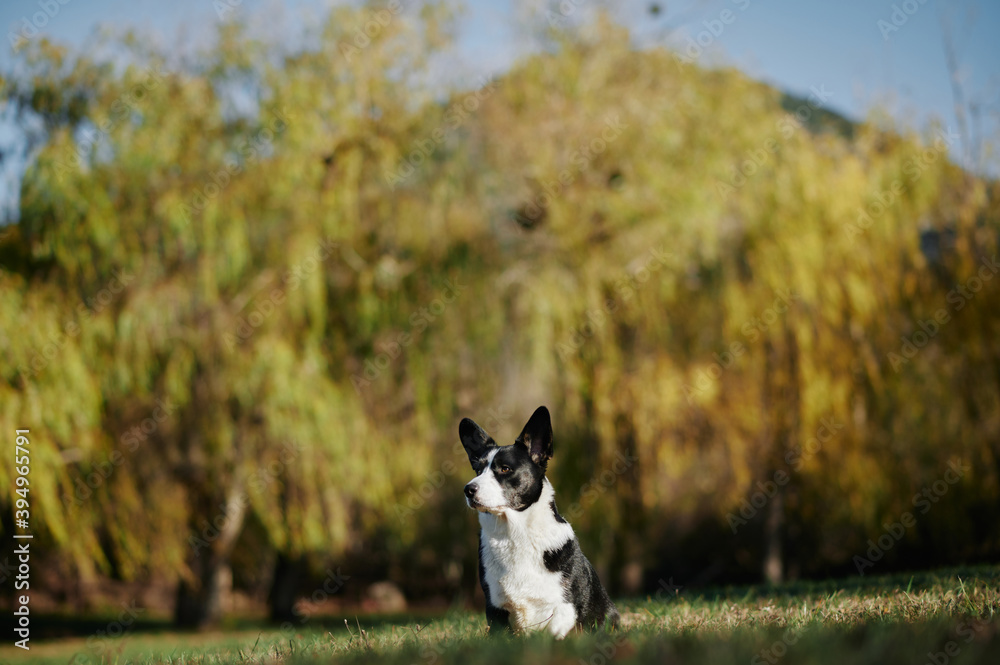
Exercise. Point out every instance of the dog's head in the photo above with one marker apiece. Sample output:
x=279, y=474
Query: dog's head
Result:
x=508, y=477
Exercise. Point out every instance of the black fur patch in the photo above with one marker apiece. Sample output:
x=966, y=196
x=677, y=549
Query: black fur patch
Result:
x=559, y=518
x=560, y=560
x=477, y=443
x=522, y=485
x=581, y=586
x=536, y=437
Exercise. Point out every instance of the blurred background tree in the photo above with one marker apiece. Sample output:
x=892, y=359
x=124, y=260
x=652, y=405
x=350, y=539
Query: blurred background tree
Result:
x=248, y=298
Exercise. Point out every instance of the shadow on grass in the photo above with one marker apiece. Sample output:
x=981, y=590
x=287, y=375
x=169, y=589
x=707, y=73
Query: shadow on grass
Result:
x=954, y=641
x=909, y=582
x=101, y=624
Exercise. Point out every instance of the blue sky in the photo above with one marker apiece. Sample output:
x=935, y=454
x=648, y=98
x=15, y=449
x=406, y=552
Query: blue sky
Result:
x=794, y=44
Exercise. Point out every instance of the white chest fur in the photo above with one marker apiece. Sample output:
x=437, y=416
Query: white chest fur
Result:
x=514, y=546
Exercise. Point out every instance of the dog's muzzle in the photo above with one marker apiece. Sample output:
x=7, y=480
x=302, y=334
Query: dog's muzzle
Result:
x=470, y=497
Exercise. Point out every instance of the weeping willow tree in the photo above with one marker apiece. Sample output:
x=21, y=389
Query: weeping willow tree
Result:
x=253, y=296
x=720, y=295
x=213, y=384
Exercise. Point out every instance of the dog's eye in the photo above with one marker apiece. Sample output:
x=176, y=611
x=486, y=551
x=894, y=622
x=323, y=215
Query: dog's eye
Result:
x=503, y=469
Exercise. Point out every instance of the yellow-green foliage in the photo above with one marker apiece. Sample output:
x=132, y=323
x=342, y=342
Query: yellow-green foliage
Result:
x=613, y=224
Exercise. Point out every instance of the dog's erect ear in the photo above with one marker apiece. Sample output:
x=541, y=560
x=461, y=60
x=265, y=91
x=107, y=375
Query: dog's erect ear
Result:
x=537, y=437
x=475, y=441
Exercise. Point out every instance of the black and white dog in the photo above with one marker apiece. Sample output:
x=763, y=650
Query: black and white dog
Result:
x=531, y=567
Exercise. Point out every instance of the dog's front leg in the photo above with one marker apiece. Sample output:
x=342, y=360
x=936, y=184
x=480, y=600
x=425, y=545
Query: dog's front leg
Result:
x=563, y=620
x=497, y=619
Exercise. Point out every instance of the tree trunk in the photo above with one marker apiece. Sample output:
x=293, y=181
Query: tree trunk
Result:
x=200, y=594
x=774, y=555
x=782, y=403
x=285, y=588
x=199, y=604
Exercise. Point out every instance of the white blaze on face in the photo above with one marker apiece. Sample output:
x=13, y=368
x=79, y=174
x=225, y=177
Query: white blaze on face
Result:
x=489, y=494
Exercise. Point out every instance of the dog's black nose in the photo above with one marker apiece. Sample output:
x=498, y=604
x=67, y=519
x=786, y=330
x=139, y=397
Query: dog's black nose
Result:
x=470, y=491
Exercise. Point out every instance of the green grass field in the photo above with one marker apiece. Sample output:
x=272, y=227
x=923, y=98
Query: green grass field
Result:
x=940, y=618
